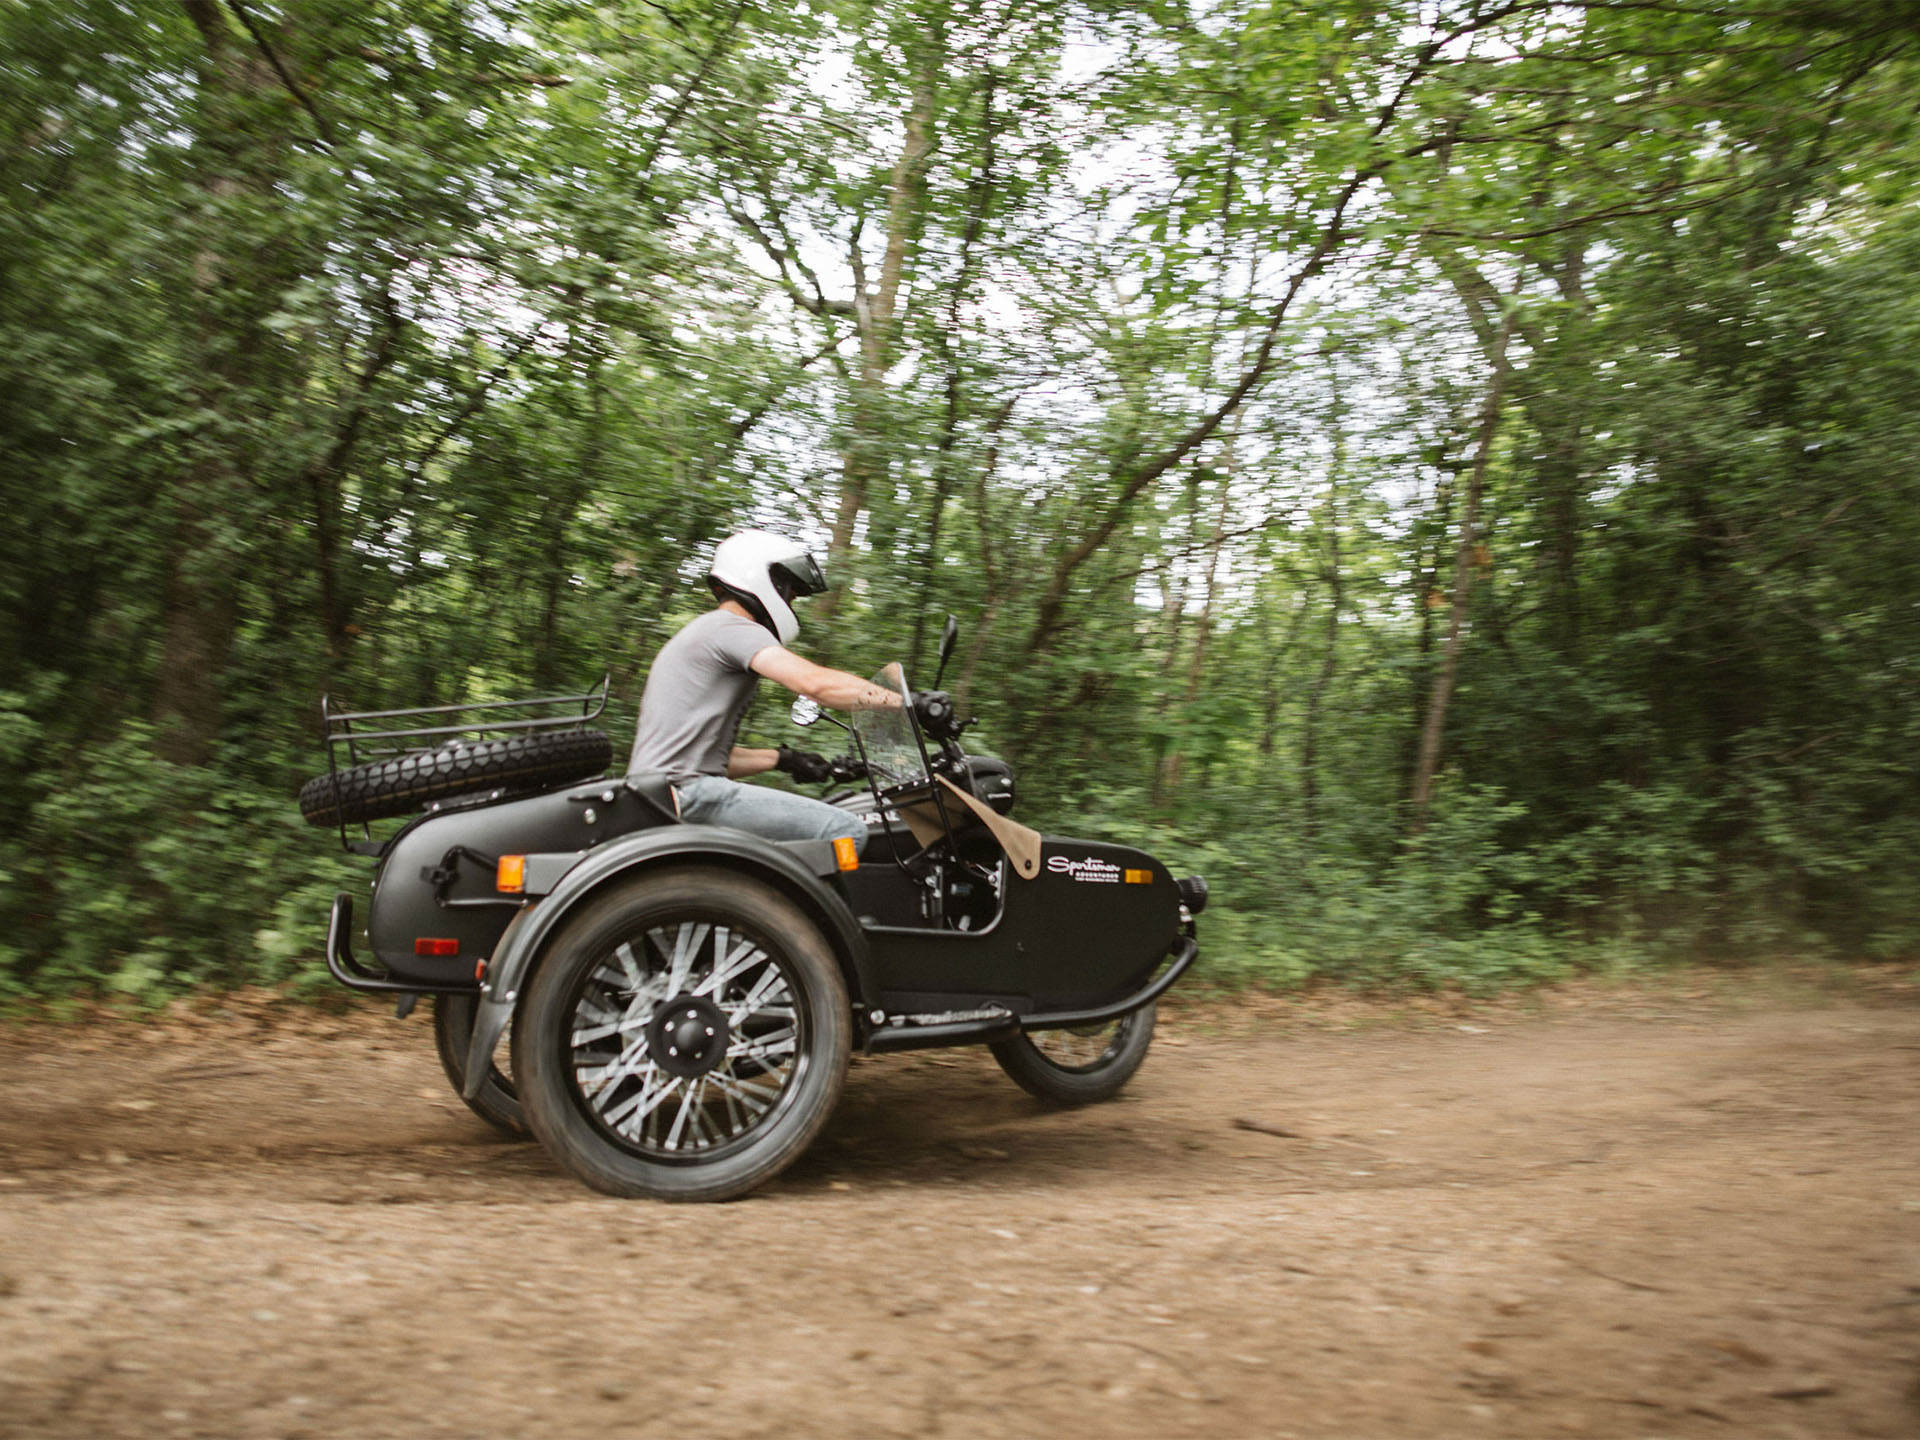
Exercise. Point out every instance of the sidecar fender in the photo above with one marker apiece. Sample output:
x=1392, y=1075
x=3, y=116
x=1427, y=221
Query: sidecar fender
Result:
x=797, y=868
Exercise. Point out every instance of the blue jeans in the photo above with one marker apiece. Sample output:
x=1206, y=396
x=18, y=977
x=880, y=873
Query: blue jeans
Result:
x=773, y=814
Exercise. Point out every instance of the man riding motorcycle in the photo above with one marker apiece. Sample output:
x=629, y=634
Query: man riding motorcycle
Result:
x=704, y=678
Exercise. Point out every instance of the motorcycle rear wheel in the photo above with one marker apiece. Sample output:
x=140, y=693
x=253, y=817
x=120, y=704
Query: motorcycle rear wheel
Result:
x=685, y=1037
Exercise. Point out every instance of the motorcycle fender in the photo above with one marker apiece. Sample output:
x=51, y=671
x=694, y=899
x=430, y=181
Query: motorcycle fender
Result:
x=795, y=867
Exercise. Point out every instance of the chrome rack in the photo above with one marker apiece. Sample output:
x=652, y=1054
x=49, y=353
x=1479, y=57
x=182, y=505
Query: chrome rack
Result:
x=390, y=738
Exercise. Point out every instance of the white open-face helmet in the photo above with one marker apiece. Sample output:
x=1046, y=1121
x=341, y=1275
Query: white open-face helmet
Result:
x=765, y=572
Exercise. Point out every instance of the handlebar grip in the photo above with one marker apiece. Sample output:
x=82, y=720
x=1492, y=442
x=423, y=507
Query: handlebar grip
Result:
x=934, y=710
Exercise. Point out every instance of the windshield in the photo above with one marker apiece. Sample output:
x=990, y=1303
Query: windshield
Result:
x=892, y=751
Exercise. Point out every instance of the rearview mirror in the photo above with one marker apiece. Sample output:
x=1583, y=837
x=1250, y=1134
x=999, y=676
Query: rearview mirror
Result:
x=805, y=711
x=947, y=638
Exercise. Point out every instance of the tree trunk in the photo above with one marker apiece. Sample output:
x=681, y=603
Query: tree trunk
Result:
x=1436, y=718
x=876, y=318
x=198, y=616
x=979, y=199
x=1270, y=672
x=1330, y=657
x=989, y=552
x=1173, y=767
x=199, y=594
x=1562, y=430
x=1429, y=598
x=557, y=514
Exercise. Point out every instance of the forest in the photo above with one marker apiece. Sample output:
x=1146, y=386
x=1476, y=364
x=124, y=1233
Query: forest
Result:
x=1444, y=469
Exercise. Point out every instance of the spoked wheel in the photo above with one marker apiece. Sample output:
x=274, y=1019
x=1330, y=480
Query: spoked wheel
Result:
x=1078, y=1066
x=498, y=1103
x=684, y=1038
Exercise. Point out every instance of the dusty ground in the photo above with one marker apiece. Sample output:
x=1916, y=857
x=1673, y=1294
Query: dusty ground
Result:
x=1643, y=1213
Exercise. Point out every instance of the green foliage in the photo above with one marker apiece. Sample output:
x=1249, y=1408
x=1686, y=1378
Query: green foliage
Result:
x=141, y=877
x=415, y=353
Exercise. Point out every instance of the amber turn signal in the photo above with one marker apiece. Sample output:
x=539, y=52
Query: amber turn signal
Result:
x=510, y=876
x=846, y=853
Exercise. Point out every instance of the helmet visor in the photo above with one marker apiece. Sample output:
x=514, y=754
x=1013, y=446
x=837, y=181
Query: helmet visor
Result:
x=797, y=575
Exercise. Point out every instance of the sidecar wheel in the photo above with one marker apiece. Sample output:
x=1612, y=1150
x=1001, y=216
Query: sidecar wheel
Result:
x=1079, y=1066
x=498, y=1103
x=685, y=1037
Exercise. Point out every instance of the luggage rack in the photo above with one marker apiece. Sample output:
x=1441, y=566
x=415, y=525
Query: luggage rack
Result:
x=568, y=712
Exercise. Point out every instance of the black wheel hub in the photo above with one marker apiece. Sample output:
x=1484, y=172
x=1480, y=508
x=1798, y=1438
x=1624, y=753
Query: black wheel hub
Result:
x=688, y=1036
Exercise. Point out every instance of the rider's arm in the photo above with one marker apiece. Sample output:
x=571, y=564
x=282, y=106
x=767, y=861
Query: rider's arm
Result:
x=834, y=688
x=743, y=761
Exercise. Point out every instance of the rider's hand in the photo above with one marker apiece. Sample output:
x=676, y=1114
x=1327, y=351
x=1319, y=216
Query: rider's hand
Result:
x=934, y=710
x=804, y=766
x=848, y=767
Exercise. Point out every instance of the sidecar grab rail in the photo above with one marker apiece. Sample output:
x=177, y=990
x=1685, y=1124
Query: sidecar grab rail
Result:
x=345, y=967
x=597, y=694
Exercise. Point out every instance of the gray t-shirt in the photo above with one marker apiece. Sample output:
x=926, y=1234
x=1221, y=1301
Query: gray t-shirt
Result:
x=696, y=693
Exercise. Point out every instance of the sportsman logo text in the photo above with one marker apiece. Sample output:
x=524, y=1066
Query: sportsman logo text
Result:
x=1088, y=871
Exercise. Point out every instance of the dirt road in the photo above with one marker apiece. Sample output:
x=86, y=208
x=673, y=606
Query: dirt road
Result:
x=1639, y=1216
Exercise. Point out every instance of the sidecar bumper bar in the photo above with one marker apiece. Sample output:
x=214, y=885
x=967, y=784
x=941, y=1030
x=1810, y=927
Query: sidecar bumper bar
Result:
x=1185, y=951
x=344, y=967
x=983, y=1031
x=888, y=1038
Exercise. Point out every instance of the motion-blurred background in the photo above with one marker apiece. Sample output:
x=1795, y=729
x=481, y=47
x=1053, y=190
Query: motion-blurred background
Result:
x=1446, y=470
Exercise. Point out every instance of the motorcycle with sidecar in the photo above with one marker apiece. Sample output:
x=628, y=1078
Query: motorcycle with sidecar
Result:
x=669, y=1008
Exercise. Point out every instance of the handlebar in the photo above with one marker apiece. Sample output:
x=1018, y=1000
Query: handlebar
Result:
x=847, y=768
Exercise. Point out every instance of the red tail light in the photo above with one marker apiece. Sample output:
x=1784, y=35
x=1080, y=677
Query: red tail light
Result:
x=428, y=946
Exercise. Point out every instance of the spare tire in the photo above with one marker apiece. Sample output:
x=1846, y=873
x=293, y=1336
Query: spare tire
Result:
x=403, y=783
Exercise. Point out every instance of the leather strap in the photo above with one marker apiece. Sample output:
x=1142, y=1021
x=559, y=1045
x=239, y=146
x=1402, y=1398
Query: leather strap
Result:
x=1021, y=844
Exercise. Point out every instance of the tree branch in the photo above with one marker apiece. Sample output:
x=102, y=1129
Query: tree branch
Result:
x=781, y=255
x=680, y=102
x=286, y=78
x=738, y=430
x=475, y=398
x=482, y=77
